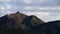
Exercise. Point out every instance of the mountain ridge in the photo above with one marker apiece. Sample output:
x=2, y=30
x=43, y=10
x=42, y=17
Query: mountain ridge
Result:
x=18, y=23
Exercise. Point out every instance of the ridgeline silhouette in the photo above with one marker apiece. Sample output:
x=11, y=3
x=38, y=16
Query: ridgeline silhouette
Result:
x=19, y=23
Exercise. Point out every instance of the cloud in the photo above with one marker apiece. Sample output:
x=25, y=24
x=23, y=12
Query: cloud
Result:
x=27, y=1
x=41, y=8
x=56, y=17
x=2, y=0
x=38, y=1
x=2, y=13
x=9, y=7
x=28, y=8
x=39, y=13
x=2, y=8
x=8, y=0
x=5, y=0
x=58, y=8
x=42, y=0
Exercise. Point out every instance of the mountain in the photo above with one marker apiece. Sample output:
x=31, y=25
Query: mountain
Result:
x=18, y=22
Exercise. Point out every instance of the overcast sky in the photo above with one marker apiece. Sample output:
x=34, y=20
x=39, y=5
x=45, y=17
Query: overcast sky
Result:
x=47, y=10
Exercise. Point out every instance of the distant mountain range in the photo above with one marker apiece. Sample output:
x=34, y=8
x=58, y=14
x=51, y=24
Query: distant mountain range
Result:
x=18, y=23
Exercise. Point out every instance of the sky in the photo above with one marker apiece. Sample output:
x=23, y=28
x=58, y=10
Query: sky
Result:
x=47, y=10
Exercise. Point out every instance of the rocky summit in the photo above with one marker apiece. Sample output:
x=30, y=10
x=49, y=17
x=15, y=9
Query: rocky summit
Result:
x=18, y=23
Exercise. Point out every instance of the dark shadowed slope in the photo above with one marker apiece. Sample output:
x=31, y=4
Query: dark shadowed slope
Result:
x=52, y=27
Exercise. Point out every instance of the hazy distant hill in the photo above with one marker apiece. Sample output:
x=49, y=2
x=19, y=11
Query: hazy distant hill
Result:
x=19, y=23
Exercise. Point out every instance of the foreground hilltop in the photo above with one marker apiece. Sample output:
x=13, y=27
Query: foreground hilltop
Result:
x=18, y=23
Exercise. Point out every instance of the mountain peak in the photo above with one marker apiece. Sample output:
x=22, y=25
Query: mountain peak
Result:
x=37, y=20
x=18, y=12
x=20, y=21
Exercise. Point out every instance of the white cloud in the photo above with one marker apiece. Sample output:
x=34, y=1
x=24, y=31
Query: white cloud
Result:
x=15, y=8
x=27, y=1
x=56, y=17
x=58, y=8
x=1, y=0
x=5, y=0
x=2, y=8
x=8, y=7
x=2, y=13
x=42, y=1
x=35, y=13
x=42, y=14
x=41, y=8
x=28, y=8
x=8, y=0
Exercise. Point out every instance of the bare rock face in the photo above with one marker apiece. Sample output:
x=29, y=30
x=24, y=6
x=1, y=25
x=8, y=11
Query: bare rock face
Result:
x=18, y=18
